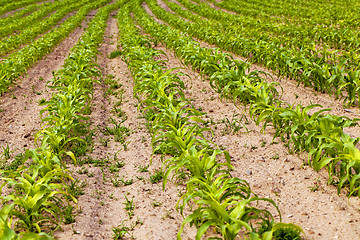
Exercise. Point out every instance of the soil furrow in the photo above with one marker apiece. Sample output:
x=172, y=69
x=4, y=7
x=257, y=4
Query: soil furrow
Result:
x=292, y=93
x=102, y=206
x=20, y=118
x=302, y=195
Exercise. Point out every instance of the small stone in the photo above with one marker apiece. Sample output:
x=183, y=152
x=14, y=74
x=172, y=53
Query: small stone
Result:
x=276, y=190
x=248, y=172
x=290, y=216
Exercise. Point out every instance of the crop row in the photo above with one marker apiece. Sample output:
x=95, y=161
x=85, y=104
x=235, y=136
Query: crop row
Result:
x=21, y=13
x=12, y=5
x=290, y=34
x=32, y=31
x=42, y=188
x=321, y=135
x=321, y=69
x=218, y=199
x=337, y=13
x=17, y=63
x=22, y=23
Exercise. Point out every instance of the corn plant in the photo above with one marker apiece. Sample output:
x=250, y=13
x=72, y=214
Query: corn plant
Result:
x=221, y=201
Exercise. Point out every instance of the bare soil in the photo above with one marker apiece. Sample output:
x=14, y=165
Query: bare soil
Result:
x=20, y=118
x=302, y=195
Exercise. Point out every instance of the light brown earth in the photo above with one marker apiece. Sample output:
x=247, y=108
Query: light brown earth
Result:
x=269, y=168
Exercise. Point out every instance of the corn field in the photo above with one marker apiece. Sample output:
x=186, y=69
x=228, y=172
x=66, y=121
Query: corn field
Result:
x=179, y=119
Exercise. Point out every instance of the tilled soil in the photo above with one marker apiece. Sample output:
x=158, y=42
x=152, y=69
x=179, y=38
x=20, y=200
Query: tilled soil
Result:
x=302, y=195
x=272, y=171
x=20, y=118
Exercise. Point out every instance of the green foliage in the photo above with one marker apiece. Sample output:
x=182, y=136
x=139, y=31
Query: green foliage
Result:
x=216, y=198
x=321, y=135
x=282, y=231
x=41, y=187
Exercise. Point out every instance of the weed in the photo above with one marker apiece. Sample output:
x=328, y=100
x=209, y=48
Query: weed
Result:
x=83, y=170
x=6, y=155
x=103, y=174
x=234, y=125
x=316, y=185
x=120, y=231
x=117, y=130
x=115, y=167
x=104, y=141
x=116, y=181
x=253, y=147
x=156, y=203
x=143, y=138
x=143, y=168
x=129, y=207
x=69, y=217
x=76, y=187
x=168, y=215
x=125, y=145
x=18, y=161
x=157, y=176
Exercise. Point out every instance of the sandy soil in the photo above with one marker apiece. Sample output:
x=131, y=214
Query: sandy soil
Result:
x=302, y=194
x=20, y=118
x=279, y=175
x=102, y=206
x=273, y=173
x=291, y=93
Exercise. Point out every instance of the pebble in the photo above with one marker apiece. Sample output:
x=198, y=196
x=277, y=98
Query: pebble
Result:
x=290, y=216
x=276, y=190
x=248, y=172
